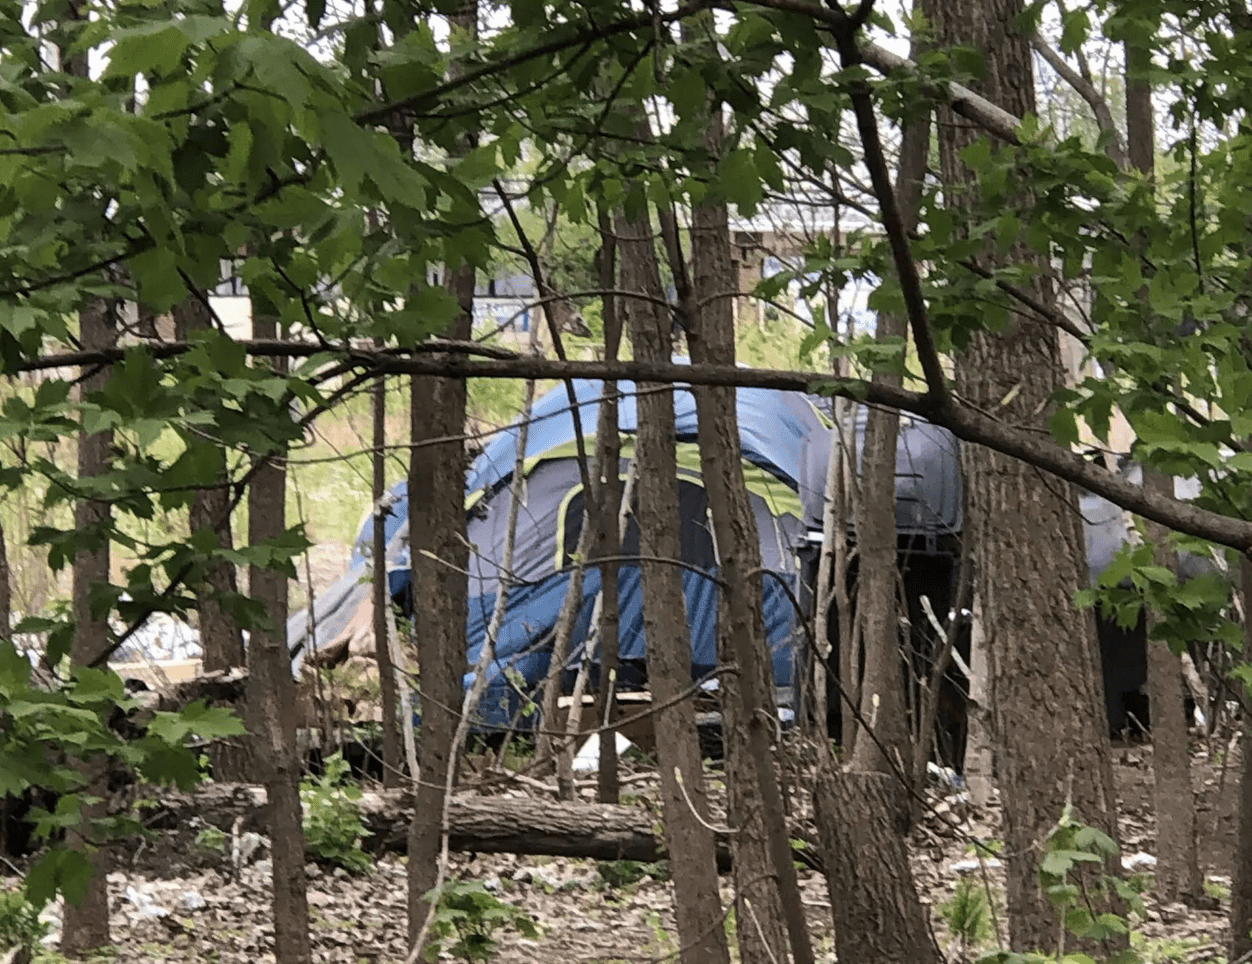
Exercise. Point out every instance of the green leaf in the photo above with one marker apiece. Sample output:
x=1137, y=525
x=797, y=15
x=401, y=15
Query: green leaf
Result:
x=156, y=273
x=154, y=49
x=68, y=872
x=1064, y=427
x=740, y=181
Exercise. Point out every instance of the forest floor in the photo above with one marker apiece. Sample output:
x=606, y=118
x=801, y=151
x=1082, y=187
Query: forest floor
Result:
x=174, y=902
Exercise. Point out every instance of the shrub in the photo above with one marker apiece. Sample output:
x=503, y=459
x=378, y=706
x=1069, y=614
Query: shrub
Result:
x=968, y=915
x=333, y=830
x=467, y=916
x=20, y=925
x=622, y=873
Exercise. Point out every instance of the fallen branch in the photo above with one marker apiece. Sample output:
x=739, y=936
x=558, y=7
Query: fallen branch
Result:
x=496, y=825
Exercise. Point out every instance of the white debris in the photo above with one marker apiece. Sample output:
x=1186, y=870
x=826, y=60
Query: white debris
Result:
x=587, y=759
x=143, y=901
x=193, y=900
x=1138, y=861
x=971, y=864
x=945, y=775
x=244, y=847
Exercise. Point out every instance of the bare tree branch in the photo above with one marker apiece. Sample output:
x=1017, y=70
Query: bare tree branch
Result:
x=1114, y=146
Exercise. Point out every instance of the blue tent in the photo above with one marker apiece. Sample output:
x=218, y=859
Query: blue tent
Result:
x=780, y=433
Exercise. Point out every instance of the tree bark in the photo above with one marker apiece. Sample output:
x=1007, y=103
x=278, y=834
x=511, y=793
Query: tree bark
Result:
x=221, y=639
x=878, y=916
x=865, y=811
x=271, y=699
x=1178, y=875
x=768, y=907
x=693, y=867
x=1048, y=716
x=388, y=690
x=1241, y=873
x=86, y=925
x=608, y=541
x=882, y=690
x=220, y=636
x=440, y=559
x=6, y=588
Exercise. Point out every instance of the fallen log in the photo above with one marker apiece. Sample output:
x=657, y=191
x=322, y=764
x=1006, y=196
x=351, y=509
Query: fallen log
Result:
x=493, y=825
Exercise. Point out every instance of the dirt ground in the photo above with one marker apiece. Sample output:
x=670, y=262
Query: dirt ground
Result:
x=171, y=903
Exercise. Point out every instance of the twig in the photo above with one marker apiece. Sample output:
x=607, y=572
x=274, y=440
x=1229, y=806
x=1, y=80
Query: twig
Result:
x=678, y=776
x=1085, y=89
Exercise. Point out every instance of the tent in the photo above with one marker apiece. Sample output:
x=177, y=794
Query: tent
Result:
x=779, y=434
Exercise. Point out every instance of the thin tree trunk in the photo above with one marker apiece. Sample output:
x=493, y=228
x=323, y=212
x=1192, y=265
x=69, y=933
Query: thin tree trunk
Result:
x=440, y=558
x=220, y=636
x=979, y=740
x=6, y=588
x=388, y=691
x=1048, y=709
x=823, y=597
x=607, y=531
x=548, y=745
x=221, y=639
x=691, y=846
x=841, y=502
x=271, y=699
x=609, y=535
x=1178, y=875
x=86, y=924
x=882, y=689
x=1241, y=875
x=768, y=907
x=877, y=913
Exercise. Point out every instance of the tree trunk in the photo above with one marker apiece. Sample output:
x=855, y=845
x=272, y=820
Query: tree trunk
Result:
x=1241, y=875
x=878, y=916
x=440, y=559
x=1178, y=875
x=271, y=698
x=882, y=689
x=767, y=896
x=693, y=866
x=979, y=742
x=86, y=925
x=221, y=639
x=6, y=588
x=220, y=636
x=388, y=691
x=1048, y=712
x=608, y=541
